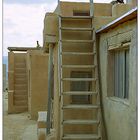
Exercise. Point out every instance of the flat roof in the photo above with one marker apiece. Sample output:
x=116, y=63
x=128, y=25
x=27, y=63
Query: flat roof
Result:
x=22, y=48
x=127, y=16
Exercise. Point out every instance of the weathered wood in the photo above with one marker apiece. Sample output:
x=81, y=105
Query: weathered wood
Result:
x=80, y=122
x=81, y=136
x=80, y=93
x=79, y=66
x=61, y=73
x=50, y=70
x=76, y=17
x=77, y=53
x=79, y=79
x=80, y=106
x=77, y=41
x=22, y=48
x=77, y=29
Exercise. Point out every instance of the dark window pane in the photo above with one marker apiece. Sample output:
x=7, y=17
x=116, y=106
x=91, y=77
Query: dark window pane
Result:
x=121, y=73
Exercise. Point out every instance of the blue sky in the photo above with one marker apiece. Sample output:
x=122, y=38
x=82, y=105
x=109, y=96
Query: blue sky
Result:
x=23, y=21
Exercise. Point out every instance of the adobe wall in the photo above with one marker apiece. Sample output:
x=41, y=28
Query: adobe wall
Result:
x=17, y=87
x=100, y=9
x=120, y=114
x=37, y=69
x=103, y=14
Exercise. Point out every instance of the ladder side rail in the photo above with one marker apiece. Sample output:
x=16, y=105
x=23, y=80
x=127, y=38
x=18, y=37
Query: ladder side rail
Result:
x=50, y=70
x=61, y=82
x=97, y=87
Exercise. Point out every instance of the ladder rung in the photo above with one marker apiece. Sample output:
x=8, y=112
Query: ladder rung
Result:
x=79, y=79
x=76, y=17
x=76, y=29
x=78, y=66
x=77, y=41
x=81, y=136
x=80, y=122
x=80, y=93
x=76, y=53
x=80, y=106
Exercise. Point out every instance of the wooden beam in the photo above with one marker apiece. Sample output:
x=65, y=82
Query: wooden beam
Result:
x=22, y=48
x=50, y=72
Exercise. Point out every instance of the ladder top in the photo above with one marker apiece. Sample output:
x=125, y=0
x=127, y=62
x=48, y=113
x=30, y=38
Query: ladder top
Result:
x=76, y=17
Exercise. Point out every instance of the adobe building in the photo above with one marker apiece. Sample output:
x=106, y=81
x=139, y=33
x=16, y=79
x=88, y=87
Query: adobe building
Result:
x=83, y=82
x=27, y=77
x=93, y=52
x=37, y=73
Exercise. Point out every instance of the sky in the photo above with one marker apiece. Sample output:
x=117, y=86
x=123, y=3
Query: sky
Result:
x=23, y=21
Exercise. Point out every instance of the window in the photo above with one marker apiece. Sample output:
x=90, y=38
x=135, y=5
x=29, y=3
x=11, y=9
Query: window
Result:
x=80, y=86
x=121, y=73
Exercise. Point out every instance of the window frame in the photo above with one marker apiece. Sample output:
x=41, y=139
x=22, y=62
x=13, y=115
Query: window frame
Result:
x=123, y=47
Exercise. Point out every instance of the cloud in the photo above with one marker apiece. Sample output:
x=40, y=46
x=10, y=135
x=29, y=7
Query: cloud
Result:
x=23, y=24
x=29, y=1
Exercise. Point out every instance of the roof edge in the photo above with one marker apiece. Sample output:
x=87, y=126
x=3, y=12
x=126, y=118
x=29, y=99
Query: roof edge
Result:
x=121, y=19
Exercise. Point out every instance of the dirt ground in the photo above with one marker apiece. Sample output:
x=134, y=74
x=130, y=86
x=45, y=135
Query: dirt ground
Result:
x=17, y=126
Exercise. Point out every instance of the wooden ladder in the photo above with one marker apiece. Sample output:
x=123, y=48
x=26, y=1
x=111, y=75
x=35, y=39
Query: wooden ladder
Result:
x=94, y=92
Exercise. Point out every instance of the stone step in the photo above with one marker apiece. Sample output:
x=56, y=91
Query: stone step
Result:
x=42, y=118
x=81, y=137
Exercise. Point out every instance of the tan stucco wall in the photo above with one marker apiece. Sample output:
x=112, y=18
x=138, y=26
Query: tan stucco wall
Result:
x=37, y=67
x=100, y=9
x=103, y=14
x=16, y=82
x=120, y=9
x=120, y=114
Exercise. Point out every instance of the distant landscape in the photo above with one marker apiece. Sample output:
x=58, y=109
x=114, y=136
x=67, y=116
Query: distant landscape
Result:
x=5, y=61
